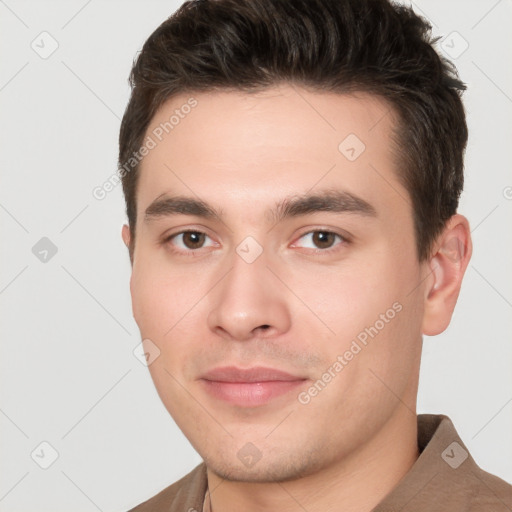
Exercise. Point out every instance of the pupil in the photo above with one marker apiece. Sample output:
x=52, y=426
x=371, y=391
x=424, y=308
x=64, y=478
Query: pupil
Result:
x=195, y=237
x=322, y=239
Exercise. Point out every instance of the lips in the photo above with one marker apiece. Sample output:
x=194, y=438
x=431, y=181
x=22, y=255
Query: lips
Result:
x=249, y=387
x=255, y=374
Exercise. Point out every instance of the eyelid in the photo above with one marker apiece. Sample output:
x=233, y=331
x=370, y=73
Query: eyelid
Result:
x=345, y=240
x=168, y=237
x=178, y=230
x=334, y=231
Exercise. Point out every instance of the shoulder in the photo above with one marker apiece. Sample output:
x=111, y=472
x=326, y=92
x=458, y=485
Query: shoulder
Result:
x=458, y=482
x=489, y=492
x=445, y=477
x=473, y=490
x=185, y=495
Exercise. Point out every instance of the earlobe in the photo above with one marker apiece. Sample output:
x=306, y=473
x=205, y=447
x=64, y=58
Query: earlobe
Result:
x=447, y=267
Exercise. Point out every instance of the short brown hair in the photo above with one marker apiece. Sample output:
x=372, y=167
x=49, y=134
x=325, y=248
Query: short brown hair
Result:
x=339, y=46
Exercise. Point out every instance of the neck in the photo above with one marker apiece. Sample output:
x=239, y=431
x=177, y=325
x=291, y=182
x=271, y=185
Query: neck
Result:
x=356, y=483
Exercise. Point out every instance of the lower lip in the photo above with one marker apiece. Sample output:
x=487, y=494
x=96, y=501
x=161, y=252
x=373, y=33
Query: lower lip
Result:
x=250, y=394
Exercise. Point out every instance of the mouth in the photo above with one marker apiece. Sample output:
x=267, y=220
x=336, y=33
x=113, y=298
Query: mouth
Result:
x=249, y=387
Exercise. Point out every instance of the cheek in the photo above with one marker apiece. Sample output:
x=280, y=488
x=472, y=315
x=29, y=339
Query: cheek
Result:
x=351, y=297
x=371, y=307
x=167, y=304
x=155, y=298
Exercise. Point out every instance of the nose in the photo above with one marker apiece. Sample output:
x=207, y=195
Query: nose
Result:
x=249, y=302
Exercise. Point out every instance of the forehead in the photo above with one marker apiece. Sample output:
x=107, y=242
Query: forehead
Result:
x=237, y=147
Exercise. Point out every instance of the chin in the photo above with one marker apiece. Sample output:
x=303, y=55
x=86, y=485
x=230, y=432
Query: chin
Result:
x=281, y=468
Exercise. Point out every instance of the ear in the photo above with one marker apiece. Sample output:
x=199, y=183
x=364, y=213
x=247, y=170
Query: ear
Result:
x=127, y=239
x=447, y=265
x=125, y=233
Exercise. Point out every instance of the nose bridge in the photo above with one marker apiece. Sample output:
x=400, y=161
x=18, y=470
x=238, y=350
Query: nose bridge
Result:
x=248, y=297
x=248, y=270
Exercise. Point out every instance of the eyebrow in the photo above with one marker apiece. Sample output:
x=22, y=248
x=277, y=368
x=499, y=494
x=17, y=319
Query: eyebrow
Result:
x=336, y=201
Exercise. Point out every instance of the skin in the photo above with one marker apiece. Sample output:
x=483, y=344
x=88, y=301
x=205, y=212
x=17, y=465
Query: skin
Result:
x=205, y=307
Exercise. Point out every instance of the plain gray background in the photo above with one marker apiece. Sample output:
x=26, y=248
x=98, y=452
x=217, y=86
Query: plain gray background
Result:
x=69, y=376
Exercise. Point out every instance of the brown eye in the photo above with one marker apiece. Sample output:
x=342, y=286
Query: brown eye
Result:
x=193, y=239
x=323, y=239
x=189, y=241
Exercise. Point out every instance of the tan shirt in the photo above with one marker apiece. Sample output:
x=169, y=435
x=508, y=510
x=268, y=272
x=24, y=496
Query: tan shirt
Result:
x=445, y=478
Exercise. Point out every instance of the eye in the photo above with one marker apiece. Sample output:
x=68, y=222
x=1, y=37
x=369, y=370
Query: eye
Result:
x=188, y=241
x=321, y=240
x=191, y=241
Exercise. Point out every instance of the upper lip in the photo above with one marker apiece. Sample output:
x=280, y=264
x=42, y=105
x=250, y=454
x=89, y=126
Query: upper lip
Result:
x=254, y=374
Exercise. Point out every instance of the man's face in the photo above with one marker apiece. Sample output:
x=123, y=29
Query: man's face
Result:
x=331, y=295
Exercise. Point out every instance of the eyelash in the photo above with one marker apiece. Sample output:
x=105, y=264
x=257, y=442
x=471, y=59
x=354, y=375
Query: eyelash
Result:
x=344, y=241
